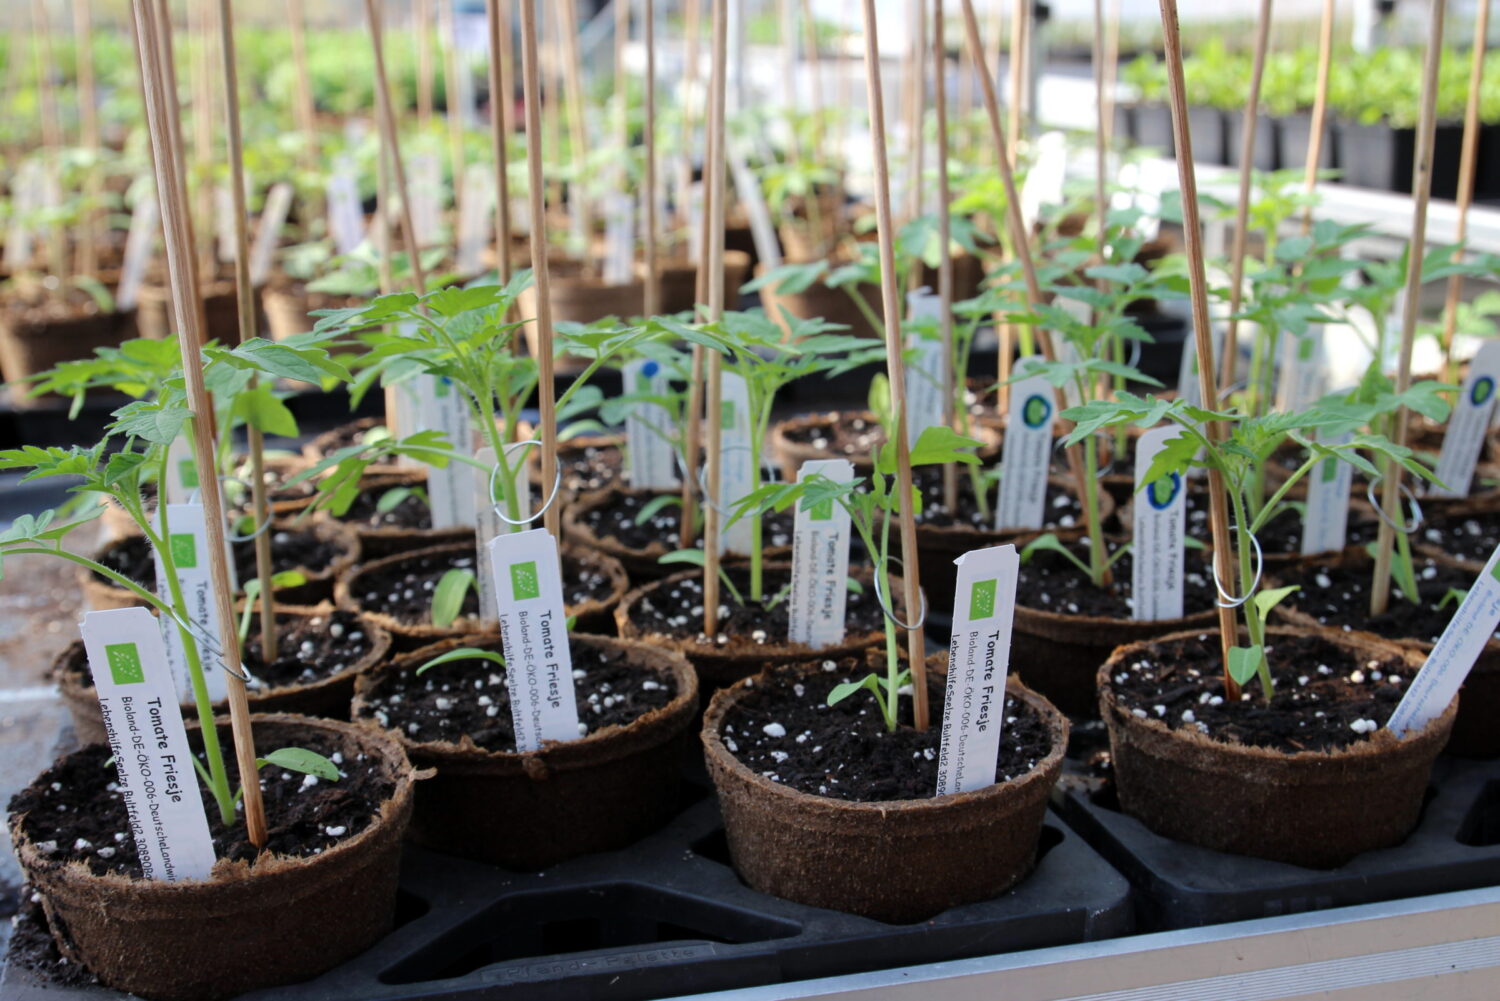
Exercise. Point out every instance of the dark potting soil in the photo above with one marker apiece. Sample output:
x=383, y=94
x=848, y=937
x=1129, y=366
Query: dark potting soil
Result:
x=411, y=514
x=785, y=730
x=132, y=557
x=1340, y=596
x=842, y=436
x=590, y=467
x=33, y=948
x=1282, y=535
x=677, y=611
x=616, y=519
x=404, y=590
x=1325, y=697
x=1471, y=537
x=470, y=697
x=308, y=649
x=239, y=503
x=1061, y=509
x=74, y=810
x=1049, y=582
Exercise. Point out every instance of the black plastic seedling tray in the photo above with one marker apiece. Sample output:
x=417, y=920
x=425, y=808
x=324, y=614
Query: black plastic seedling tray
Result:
x=1456, y=846
x=668, y=916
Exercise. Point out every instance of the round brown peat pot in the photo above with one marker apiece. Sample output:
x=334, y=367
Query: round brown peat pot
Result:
x=403, y=528
x=532, y=810
x=587, y=463
x=596, y=581
x=278, y=468
x=155, y=321
x=288, y=305
x=34, y=339
x=1313, y=808
x=679, y=280
x=580, y=298
x=852, y=435
x=323, y=695
x=742, y=654
x=898, y=861
x=345, y=435
x=281, y=920
x=1475, y=734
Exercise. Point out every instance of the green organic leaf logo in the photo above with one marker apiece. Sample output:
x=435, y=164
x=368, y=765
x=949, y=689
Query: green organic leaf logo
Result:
x=187, y=474
x=1329, y=471
x=125, y=664
x=185, y=551
x=524, y=583
x=1305, y=349
x=1495, y=573
x=982, y=599
x=1036, y=411
x=822, y=511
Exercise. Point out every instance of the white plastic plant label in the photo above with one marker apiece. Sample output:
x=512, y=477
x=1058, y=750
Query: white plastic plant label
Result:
x=527, y=580
x=762, y=229
x=820, y=562
x=984, y=604
x=139, y=240
x=1027, y=455
x=268, y=232
x=1187, y=369
x=1453, y=655
x=1303, y=373
x=1067, y=351
x=649, y=456
x=619, y=239
x=153, y=760
x=487, y=521
x=182, y=471
x=25, y=196
x=426, y=190
x=1156, y=564
x=346, y=217
x=736, y=463
x=187, y=537
x=475, y=217
x=924, y=366
x=1325, y=525
x=443, y=409
x=1468, y=424
x=1044, y=181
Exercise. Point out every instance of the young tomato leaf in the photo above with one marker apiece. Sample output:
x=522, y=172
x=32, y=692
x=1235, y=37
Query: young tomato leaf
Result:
x=300, y=759
x=448, y=596
x=1244, y=661
x=464, y=653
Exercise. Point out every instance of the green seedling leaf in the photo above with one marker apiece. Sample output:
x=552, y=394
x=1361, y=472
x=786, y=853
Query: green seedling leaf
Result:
x=300, y=759
x=848, y=688
x=448, y=596
x=651, y=507
x=1047, y=542
x=1244, y=661
x=1454, y=596
x=1267, y=600
x=855, y=587
x=464, y=653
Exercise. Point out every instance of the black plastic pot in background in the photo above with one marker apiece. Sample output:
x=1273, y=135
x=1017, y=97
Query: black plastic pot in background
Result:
x=1210, y=135
x=1124, y=125
x=1374, y=156
x=1294, y=132
x=1153, y=127
x=1447, y=151
x=1267, y=153
x=1487, y=174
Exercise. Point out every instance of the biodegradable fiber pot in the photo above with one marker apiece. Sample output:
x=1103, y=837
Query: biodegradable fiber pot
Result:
x=29, y=346
x=327, y=697
x=155, y=321
x=852, y=435
x=1310, y=808
x=679, y=280
x=580, y=298
x=897, y=861
x=280, y=921
x=533, y=810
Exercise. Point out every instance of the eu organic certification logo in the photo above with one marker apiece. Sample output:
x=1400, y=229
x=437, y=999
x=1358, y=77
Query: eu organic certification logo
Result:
x=184, y=551
x=982, y=599
x=1036, y=411
x=524, y=583
x=1483, y=389
x=124, y=663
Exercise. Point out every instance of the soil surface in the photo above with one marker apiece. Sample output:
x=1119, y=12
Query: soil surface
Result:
x=32, y=947
x=1060, y=510
x=842, y=437
x=309, y=649
x=1340, y=596
x=590, y=467
x=1326, y=697
x=74, y=810
x=785, y=730
x=1281, y=536
x=677, y=611
x=293, y=550
x=470, y=697
x=616, y=519
x=411, y=514
x=404, y=590
x=1471, y=537
x=1049, y=582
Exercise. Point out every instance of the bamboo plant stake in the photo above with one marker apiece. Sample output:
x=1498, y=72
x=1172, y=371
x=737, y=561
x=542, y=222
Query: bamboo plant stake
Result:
x=692, y=447
x=1020, y=239
x=162, y=26
x=890, y=295
x=507, y=69
x=52, y=137
x=578, y=199
x=245, y=300
x=1242, y=208
x=713, y=263
x=203, y=138
x=449, y=37
x=304, y=110
x=500, y=133
x=174, y=210
x=1101, y=129
x=915, y=93
x=815, y=74
x=945, y=241
x=1320, y=108
x=652, y=300
x=1020, y=34
x=422, y=15
x=88, y=118
x=1467, y=158
x=1218, y=509
x=1421, y=185
x=691, y=30
x=531, y=81
x=390, y=140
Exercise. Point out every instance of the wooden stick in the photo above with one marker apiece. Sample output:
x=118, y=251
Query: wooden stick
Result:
x=88, y=114
x=305, y=111
x=1218, y=509
x=245, y=300
x=500, y=133
x=162, y=22
x=1467, y=159
x=203, y=139
x=422, y=15
x=1111, y=68
x=452, y=89
x=945, y=242
x=391, y=140
x=652, y=301
x=184, y=293
x=1101, y=130
x=713, y=263
x=45, y=61
x=530, y=80
x=693, y=446
x=1242, y=207
x=1020, y=30
x=915, y=93
x=578, y=199
x=916, y=647
x=1320, y=108
x=691, y=31
x=1421, y=185
x=815, y=86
